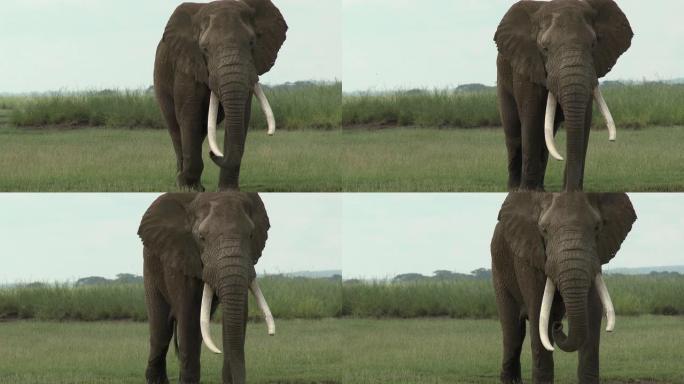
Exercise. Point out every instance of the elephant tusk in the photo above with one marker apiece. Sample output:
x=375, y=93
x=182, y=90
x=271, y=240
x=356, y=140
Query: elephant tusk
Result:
x=211, y=124
x=549, y=121
x=266, y=108
x=606, y=301
x=612, y=130
x=263, y=305
x=205, y=315
x=545, y=312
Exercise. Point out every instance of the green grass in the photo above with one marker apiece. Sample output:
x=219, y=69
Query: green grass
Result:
x=643, y=349
x=291, y=298
x=632, y=295
x=288, y=298
x=402, y=160
x=302, y=352
x=475, y=160
x=116, y=160
x=639, y=106
x=298, y=106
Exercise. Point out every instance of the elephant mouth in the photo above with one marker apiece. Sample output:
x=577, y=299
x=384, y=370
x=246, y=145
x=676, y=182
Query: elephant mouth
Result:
x=547, y=301
x=205, y=313
x=212, y=120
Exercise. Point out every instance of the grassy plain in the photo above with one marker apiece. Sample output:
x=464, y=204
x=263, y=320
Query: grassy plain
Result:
x=643, y=349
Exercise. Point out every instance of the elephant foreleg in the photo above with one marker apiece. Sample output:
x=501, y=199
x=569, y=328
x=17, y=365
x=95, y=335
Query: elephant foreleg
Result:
x=191, y=111
x=511, y=125
x=588, y=368
x=168, y=112
x=513, y=329
x=531, y=102
x=161, y=331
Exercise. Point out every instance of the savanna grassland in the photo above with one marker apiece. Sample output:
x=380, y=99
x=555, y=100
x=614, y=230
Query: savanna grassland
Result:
x=439, y=141
x=645, y=349
x=424, y=331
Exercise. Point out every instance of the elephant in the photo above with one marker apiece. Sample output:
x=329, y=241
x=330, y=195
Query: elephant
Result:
x=199, y=249
x=550, y=56
x=547, y=252
x=211, y=55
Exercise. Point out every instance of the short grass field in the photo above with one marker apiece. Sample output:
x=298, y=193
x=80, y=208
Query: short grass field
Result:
x=644, y=349
x=474, y=160
x=402, y=159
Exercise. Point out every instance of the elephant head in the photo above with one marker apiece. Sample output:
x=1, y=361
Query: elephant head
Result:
x=567, y=236
x=226, y=45
x=566, y=46
x=218, y=238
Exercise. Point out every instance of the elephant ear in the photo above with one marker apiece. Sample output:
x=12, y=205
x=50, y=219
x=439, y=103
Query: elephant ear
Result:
x=166, y=231
x=613, y=33
x=618, y=216
x=519, y=215
x=261, y=224
x=516, y=40
x=180, y=38
x=270, y=28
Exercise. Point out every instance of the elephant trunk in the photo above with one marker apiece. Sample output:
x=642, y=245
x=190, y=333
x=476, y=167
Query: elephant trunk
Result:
x=233, y=82
x=232, y=285
x=572, y=80
x=574, y=272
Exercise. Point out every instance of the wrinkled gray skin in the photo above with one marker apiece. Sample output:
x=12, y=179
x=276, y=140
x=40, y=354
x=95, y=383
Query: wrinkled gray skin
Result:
x=191, y=239
x=562, y=47
x=566, y=237
x=222, y=46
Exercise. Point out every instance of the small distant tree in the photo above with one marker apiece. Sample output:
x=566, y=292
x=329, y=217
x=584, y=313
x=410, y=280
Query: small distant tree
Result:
x=482, y=273
x=443, y=274
x=406, y=277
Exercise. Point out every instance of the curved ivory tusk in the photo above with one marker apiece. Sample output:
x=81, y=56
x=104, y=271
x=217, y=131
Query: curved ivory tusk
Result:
x=606, y=301
x=266, y=108
x=549, y=120
x=545, y=312
x=205, y=314
x=612, y=131
x=211, y=124
x=263, y=305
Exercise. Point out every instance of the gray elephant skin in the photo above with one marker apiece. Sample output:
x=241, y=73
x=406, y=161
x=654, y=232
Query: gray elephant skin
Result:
x=551, y=55
x=547, y=252
x=214, y=51
x=196, y=244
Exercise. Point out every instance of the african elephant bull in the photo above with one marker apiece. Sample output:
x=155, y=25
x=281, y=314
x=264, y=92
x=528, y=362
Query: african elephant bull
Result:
x=200, y=249
x=207, y=67
x=552, y=54
x=547, y=251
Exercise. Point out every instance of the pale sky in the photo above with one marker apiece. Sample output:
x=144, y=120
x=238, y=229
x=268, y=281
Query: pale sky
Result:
x=404, y=44
x=49, y=45
x=60, y=237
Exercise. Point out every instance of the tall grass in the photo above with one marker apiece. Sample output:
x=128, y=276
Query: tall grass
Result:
x=288, y=298
x=304, y=298
x=297, y=106
x=633, y=106
x=632, y=295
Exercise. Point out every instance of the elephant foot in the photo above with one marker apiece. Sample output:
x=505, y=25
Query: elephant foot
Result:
x=156, y=378
x=506, y=379
x=186, y=186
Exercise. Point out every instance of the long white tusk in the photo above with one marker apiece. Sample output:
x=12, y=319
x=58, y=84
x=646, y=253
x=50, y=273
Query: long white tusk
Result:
x=205, y=314
x=545, y=312
x=211, y=124
x=607, y=303
x=266, y=108
x=263, y=305
x=548, y=126
x=612, y=131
